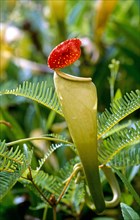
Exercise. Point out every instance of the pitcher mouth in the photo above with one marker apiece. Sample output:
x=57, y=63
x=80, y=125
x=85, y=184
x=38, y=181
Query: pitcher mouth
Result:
x=71, y=77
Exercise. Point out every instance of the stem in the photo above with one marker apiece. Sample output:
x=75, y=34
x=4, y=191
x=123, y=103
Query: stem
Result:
x=37, y=138
x=112, y=91
x=31, y=179
x=50, y=120
x=128, y=185
x=38, y=114
x=5, y=123
x=45, y=213
x=76, y=169
x=54, y=212
x=65, y=188
x=114, y=186
x=114, y=67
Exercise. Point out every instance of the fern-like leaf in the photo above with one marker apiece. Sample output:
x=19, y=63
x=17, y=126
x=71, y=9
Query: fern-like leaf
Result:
x=75, y=196
x=117, y=142
x=39, y=92
x=8, y=180
x=48, y=184
x=52, y=184
x=118, y=110
x=52, y=148
x=12, y=169
x=9, y=159
x=128, y=157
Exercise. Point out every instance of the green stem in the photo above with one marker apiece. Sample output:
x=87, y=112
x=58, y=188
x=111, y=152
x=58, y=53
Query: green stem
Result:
x=45, y=213
x=37, y=138
x=76, y=169
x=114, y=67
x=38, y=114
x=112, y=91
x=128, y=185
x=114, y=186
x=50, y=120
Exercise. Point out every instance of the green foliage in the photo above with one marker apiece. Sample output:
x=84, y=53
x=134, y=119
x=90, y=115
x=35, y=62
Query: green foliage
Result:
x=128, y=186
x=53, y=185
x=117, y=142
x=119, y=110
x=52, y=148
x=13, y=164
x=130, y=156
x=10, y=159
x=128, y=212
x=111, y=150
x=46, y=170
x=43, y=95
x=38, y=92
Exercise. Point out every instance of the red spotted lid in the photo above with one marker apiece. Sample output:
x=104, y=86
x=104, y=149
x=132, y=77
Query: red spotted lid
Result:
x=65, y=54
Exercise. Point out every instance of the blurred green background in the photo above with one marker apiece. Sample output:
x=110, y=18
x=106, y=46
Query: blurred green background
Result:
x=30, y=29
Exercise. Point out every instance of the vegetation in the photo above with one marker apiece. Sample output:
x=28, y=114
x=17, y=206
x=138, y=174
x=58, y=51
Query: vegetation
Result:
x=43, y=174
